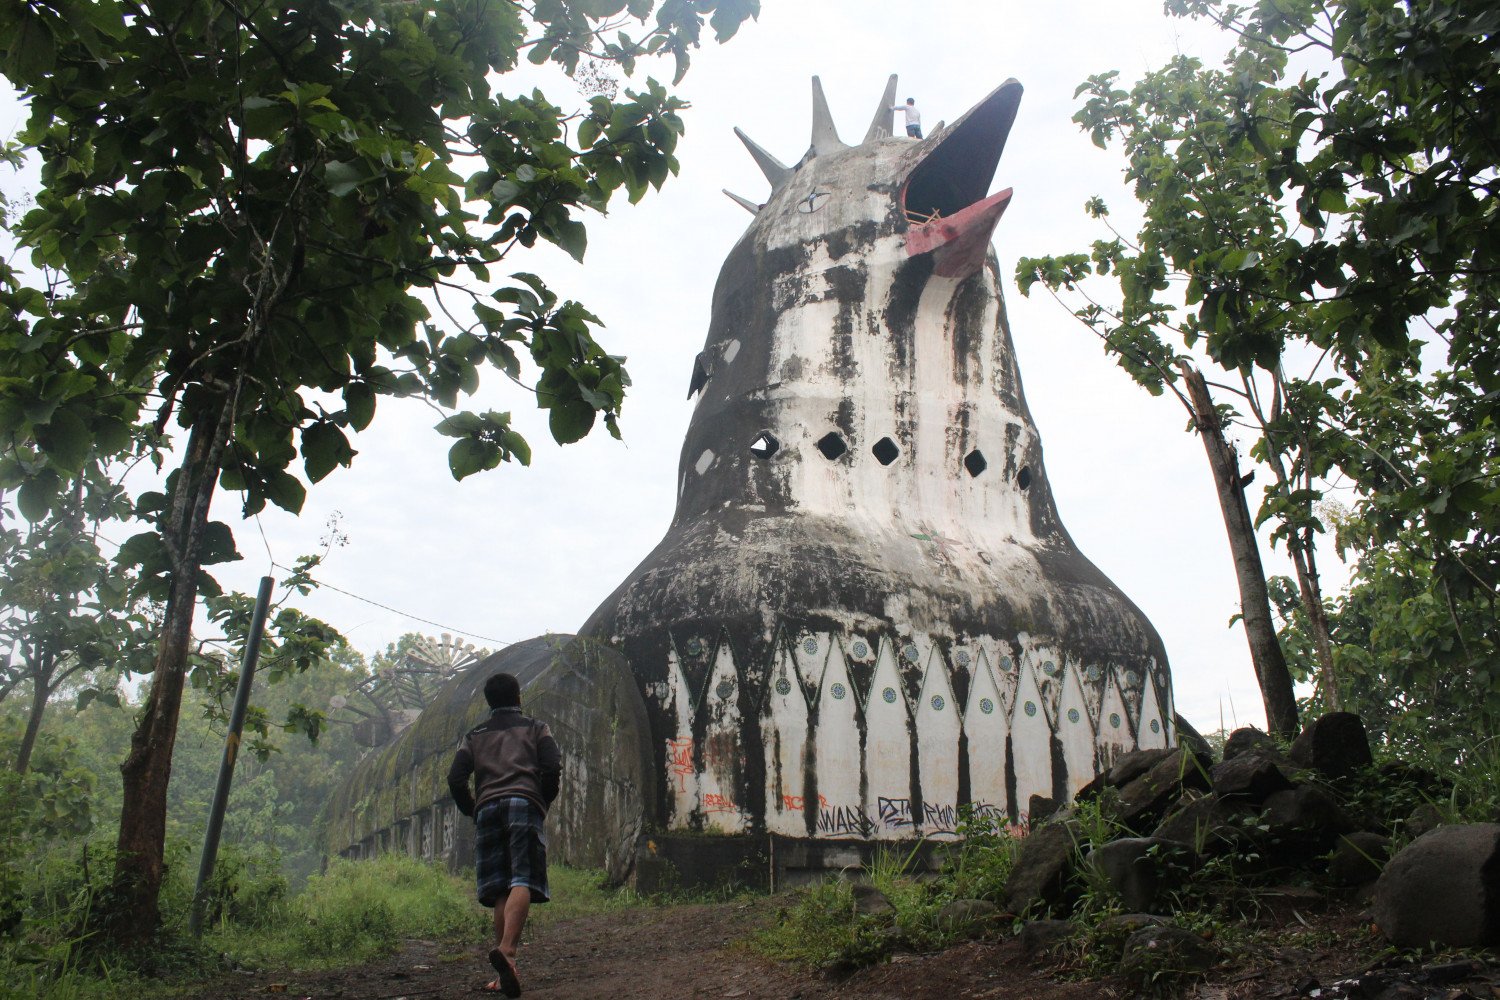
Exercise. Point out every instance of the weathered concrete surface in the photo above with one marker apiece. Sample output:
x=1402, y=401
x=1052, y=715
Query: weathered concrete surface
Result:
x=866, y=614
x=397, y=798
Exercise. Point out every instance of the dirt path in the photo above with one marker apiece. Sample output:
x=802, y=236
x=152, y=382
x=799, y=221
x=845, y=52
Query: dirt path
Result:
x=691, y=951
x=659, y=953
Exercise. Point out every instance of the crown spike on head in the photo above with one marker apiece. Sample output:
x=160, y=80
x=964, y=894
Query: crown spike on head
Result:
x=883, y=125
x=825, y=137
x=744, y=203
x=776, y=172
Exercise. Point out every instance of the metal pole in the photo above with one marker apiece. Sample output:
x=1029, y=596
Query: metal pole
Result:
x=231, y=751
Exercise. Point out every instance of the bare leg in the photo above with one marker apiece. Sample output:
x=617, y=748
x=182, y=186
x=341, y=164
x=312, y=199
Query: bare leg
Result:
x=509, y=924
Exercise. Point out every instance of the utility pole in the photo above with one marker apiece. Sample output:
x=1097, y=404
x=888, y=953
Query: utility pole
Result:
x=231, y=751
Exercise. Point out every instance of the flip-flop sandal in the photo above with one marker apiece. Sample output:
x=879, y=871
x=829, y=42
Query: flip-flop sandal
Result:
x=510, y=983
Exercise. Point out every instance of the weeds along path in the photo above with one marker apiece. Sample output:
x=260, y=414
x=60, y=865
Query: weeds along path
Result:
x=655, y=953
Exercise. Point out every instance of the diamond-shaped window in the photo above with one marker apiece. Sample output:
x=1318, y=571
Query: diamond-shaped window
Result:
x=974, y=463
x=764, y=445
x=832, y=445
x=885, y=451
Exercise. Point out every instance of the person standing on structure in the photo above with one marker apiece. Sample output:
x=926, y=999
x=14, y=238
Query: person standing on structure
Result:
x=516, y=766
x=913, y=117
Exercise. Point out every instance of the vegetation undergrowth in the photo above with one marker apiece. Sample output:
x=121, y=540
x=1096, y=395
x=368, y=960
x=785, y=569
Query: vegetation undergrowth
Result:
x=353, y=912
x=825, y=928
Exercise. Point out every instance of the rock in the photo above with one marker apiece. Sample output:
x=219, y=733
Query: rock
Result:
x=1334, y=744
x=1358, y=858
x=966, y=914
x=1040, y=809
x=1305, y=816
x=1251, y=776
x=1443, y=889
x=1202, y=822
x=870, y=901
x=1122, y=925
x=1139, y=868
x=1040, y=877
x=1423, y=819
x=1191, y=740
x=1162, y=952
x=1091, y=791
x=1132, y=765
x=1145, y=799
x=1249, y=738
x=1041, y=936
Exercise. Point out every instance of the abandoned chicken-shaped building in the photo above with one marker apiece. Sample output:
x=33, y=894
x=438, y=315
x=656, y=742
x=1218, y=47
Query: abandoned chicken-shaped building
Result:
x=866, y=616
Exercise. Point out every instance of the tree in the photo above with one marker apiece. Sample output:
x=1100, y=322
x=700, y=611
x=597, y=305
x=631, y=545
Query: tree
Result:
x=244, y=214
x=1303, y=234
x=65, y=615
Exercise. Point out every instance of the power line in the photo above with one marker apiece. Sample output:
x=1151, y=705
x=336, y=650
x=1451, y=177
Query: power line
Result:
x=403, y=614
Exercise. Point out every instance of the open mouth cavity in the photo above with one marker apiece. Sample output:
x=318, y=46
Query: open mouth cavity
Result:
x=957, y=172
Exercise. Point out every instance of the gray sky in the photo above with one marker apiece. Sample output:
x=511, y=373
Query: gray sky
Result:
x=517, y=552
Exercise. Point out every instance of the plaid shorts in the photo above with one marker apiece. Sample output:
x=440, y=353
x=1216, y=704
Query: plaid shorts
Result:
x=510, y=849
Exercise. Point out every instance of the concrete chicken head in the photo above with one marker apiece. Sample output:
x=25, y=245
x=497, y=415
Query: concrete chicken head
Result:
x=891, y=195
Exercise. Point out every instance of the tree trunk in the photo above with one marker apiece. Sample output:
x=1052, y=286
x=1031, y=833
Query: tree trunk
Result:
x=1255, y=602
x=135, y=914
x=40, y=689
x=1311, y=593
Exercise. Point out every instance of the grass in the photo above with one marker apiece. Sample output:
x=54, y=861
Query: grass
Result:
x=354, y=912
x=820, y=928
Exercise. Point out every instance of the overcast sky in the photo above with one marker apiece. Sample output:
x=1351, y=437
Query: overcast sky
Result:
x=521, y=551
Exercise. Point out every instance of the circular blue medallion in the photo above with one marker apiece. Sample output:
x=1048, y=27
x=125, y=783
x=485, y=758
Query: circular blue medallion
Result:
x=1049, y=668
x=1114, y=719
x=938, y=703
x=986, y=706
x=910, y=652
x=1155, y=726
x=838, y=691
x=1031, y=708
x=889, y=694
x=1073, y=715
x=1005, y=663
x=725, y=689
x=963, y=657
x=694, y=646
x=809, y=645
x=1094, y=673
x=783, y=686
x=1132, y=678
x=860, y=649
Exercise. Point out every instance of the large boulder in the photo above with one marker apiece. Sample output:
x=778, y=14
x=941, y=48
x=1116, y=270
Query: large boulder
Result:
x=1166, y=952
x=1132, y=765
x=1146, y=799
x=1203, y=823
x=1140, y=869
x=1249, y=738
x=1334, y=745
x=1443, y=889
x=1250, y=776
x=1358, y=858
x=1039, y=879
x=1307, y=816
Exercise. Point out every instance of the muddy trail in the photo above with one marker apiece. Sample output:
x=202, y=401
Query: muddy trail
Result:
x=699, y=950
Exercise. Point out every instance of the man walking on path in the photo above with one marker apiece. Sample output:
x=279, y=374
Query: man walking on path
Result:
x=913, y=117
x=516, y=766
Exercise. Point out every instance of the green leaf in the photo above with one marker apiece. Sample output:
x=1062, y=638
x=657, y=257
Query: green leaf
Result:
x=343, y=177
x=324, y=448
x=570, y=420
x=37, y=495
x=571, y=235
x=66, y=440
